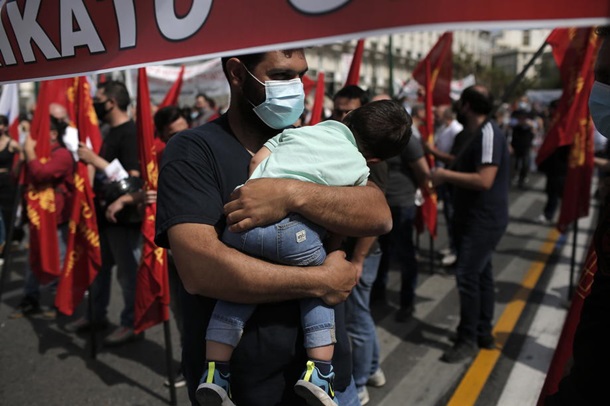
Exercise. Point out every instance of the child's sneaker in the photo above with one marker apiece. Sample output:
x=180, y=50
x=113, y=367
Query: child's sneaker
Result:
x=214, y=388
x=315, y=388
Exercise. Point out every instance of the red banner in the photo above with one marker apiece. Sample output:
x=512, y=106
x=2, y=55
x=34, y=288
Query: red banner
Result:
x=575, y=49
x=435, y=72
x=83, y=256
x=40, y=199
x=152, y=287
x=563, y=351
x=353, y=76
x=318, y=102
x=171, y=98
x=61, y=38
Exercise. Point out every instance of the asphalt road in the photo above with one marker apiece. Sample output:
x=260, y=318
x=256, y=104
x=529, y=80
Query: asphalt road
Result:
x=43, y=364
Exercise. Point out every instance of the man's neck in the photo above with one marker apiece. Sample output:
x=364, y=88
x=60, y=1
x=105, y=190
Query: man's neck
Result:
x=475, y=122
x=251, y=137
x=118, y=118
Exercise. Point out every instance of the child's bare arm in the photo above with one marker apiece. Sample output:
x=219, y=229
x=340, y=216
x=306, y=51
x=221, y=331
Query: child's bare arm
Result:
x=259, y=157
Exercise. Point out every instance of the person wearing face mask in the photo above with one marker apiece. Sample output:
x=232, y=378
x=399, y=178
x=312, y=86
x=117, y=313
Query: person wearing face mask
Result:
x=197, y=198
x=586, y=383
x=204, y=110
x=120, y=241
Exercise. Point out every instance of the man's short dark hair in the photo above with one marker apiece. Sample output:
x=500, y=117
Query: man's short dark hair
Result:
x=4, y=120
x=479, y=99
x=165, y=116
x=353, y=92
x=251, y=60
x=603, y=31
x=382, y=128
x=116, y=90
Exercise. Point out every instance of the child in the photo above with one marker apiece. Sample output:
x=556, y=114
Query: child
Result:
x=329, y=153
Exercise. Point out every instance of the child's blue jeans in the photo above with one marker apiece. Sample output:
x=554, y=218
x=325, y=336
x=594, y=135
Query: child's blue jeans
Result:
x=292, y=241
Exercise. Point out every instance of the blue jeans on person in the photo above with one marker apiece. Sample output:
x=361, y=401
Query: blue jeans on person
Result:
x=474, y=276
x=31, y=288
x=349, y=396
x=399, y=243
x=445, y=193
x=292, y=241
x=120, y=246
x=360, y=323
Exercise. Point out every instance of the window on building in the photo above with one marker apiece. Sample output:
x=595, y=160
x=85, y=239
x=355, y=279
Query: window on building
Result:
x=526, y=37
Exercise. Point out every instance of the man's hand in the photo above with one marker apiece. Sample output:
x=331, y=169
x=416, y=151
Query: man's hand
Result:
x=85, y=154
x=257, y=203
x=114, y=208
x=342, y=276
x=437, y=176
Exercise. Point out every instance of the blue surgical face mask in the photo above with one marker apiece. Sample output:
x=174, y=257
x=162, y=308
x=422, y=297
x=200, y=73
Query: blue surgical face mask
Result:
x=284, y=102
x=599, y=106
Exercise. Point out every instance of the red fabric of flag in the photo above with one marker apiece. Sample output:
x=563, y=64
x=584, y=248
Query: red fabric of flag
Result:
x=575, y=49
x=441, y=68
x=308, y=84
x=435, y=72
x=563, y=351
x=318, y=103
x=353, y=77
x=171, y=98
x=152, y=287
x=40, y=199
x=83, y=255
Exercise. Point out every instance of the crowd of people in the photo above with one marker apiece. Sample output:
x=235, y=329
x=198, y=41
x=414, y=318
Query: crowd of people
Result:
x=246, y=200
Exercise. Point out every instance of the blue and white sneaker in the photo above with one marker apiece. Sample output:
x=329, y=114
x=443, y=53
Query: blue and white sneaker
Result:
x=315, y=388
x=214, y=388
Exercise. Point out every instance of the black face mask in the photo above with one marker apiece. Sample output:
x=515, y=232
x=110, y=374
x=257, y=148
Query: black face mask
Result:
x=100, y=110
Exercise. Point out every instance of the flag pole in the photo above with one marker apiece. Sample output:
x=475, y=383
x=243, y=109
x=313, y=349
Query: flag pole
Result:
x=169, y=360
x=510, y=89
x=391, y=68
x=8, y=252
x=92, y=332
x=573, y=261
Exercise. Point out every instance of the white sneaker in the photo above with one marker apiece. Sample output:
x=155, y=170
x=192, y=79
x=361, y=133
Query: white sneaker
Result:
x=449, y=260
x=363, y=396
x=541, y=219
x=377, y=380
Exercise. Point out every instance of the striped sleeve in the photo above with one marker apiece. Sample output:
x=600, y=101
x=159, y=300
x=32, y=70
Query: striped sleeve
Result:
x=487, y=147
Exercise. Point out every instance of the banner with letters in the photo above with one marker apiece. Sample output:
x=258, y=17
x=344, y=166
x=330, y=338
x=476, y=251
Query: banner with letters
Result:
x=44, y=39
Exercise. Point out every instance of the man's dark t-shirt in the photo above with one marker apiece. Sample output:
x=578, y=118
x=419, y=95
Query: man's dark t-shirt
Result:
x=120, y=143
x=487, y=208
x=200, y=169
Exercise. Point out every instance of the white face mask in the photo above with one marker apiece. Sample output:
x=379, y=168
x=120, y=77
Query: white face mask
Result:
x=599, y=106
x=284, y=102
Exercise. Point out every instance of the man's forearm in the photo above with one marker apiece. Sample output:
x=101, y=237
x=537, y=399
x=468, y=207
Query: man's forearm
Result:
x=209, y=268
x=357, y=211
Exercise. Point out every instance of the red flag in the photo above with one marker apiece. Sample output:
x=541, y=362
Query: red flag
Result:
x=40, y=199
x=308, y=84
x=83, y=257
x=9, y=107
x=441, y=68
x=575, y=49
x=353, y=77
x=435, y=72
x=318, y=103
x=563, y=351
x=171, y=98
x=152, y=288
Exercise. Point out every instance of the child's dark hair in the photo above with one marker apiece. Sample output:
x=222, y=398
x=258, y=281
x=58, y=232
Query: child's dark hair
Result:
x=382, y=128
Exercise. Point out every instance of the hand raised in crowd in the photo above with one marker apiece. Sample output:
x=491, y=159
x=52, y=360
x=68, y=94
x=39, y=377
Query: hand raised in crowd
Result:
x=342, y=276
x=257, y=203
x=85, y=154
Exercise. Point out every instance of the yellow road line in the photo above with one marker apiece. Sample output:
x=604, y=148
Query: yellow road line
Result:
x=475, y=378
